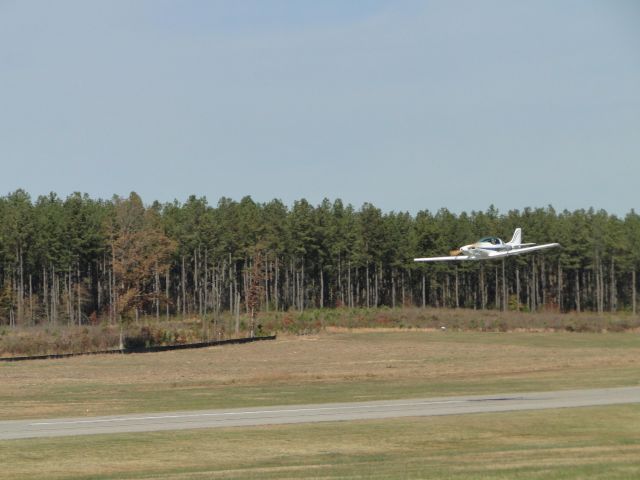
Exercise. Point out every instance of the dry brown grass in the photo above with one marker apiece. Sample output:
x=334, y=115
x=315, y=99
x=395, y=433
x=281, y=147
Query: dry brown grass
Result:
x=331, y=366
x=339, y=356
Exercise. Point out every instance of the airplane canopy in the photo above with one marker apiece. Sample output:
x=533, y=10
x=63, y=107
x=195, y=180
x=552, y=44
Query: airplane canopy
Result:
x=491, y=240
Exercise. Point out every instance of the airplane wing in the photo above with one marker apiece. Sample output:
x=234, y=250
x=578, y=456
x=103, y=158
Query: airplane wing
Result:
x=450, y=258
x=488, y=255
x=520, y=251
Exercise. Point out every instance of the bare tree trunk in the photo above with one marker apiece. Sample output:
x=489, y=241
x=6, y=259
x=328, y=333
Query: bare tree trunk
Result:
x=156, y=292
x=517, y=289
x=53, y=295
x=482, y=288
x=504, y=288
x=633, y=290
x=231, y=295
x=213, y=296
x=245, y=285
x=302, y=288
x=196, y=297
x=219, y=273
x=295, y=277
x=393, y=288
x=543, y=283
x=78, y=301
x=45, y=294
x=613, y=297
x=376, y=298
x=340, y=292
x=166, y=294
x=596, y=271
x=195, y=304
x=559, y=294
x=201, y=283
x=184, y=289
x=206, y=281
x=266, y=282
x=534, y=285
x=577, y=291
x=99, y=292
x=367, y=283
x=497, y=291
x=30, y=300
x=601, y=293
x=321, y=288
x=237, y=309
x=111, y=294
x=22, y=289
x=350, y=297
x=433, y=291
x=292, y=291
x=404, y=293
x=457, y=289
x=424, y=291
x=20, y=319
x=276, y=292
x=67, y=286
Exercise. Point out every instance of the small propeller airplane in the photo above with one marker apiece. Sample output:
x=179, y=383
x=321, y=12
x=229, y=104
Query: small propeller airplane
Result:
x=488, y=248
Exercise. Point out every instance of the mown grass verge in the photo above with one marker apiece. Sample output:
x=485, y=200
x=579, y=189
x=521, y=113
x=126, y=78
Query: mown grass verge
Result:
x=594, y=443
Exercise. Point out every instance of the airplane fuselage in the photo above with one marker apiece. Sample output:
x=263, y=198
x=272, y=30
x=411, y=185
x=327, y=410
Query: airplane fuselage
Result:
x=484, y=247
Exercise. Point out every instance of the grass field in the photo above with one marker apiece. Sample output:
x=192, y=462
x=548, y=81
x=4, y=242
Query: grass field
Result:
x=595, y=443
x=331, y=366
x=336, y=365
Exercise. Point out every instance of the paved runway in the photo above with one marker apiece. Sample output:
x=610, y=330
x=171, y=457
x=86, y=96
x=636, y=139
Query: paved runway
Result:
x=328, y=412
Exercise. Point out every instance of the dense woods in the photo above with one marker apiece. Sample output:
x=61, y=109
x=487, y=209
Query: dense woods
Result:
x=84, y=261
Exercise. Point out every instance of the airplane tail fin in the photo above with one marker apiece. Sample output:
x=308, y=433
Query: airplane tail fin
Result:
x=517, y=237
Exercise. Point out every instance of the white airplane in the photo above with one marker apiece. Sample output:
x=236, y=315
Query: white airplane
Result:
x=488, y=248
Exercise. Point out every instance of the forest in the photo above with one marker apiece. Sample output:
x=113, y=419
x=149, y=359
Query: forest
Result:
x=79, y=261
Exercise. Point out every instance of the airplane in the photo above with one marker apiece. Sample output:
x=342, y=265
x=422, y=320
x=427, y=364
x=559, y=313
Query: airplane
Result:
x=488, y=248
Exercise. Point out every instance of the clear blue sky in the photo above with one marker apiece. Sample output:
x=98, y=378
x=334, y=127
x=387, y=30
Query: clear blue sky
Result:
x=405, y=104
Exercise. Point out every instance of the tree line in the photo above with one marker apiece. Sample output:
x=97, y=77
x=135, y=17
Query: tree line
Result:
x=80, y=260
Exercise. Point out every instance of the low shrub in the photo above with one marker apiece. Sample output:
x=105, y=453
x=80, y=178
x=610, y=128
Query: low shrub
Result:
x=51, y=339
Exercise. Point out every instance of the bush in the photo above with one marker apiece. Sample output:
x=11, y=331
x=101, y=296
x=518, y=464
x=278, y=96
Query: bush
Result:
x=140, y=340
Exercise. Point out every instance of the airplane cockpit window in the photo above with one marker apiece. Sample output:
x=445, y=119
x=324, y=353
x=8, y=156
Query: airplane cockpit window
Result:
x=491, y=240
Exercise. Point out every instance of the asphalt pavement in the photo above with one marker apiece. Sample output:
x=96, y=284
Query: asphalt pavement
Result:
x=329, y=412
